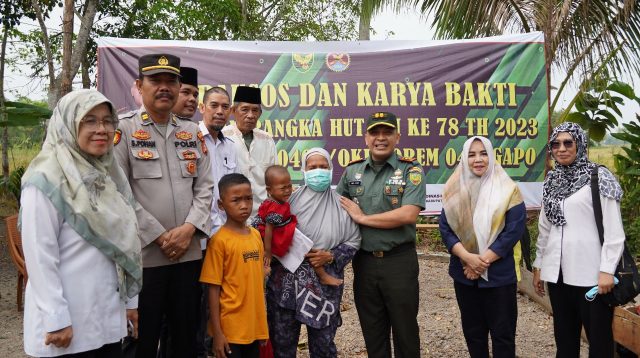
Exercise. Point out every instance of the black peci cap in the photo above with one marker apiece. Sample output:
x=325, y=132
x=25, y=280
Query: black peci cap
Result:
x=247, y=95
x=159, y=63
x=189, y=76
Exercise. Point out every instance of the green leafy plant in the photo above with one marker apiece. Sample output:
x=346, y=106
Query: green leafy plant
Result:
x=15, y=182
x=598, y=106
x=628, y=169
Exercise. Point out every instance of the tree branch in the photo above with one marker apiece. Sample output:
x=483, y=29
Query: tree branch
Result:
x=46, y=42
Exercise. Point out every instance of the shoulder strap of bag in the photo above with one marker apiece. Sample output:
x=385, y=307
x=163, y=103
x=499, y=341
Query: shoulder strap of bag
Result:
x=597, y=207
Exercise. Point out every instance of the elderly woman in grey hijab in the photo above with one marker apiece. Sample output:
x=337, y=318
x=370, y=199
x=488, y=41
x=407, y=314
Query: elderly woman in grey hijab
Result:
x=79, y=235
x=299, y=298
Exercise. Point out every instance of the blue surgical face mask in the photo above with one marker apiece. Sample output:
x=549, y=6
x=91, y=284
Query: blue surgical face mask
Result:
x=318, y=179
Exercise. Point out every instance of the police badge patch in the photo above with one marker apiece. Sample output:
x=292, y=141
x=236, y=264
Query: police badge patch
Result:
x=338, y=62
x=184, y=135
x=141, y=134
x=189, y=154
x=117, y=136
x=145, y=154
x=302, y=62
x=191, y=167
x=202, y=143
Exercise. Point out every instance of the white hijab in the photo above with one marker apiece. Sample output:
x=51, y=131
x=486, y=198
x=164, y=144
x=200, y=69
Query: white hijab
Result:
x=486, y=199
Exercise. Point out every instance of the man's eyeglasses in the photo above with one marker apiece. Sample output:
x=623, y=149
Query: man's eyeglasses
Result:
x=93, y=124
x=568, y=144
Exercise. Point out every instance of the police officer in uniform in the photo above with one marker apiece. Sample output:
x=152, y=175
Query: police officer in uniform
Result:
x=169, y=173
x=384, y=194
x=184, y=109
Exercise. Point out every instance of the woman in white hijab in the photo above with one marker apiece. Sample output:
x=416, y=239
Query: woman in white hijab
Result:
x=483, y=218
x=79, y=235
x=299, y=298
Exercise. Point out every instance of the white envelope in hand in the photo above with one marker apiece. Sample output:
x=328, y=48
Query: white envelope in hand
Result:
x=300, y=246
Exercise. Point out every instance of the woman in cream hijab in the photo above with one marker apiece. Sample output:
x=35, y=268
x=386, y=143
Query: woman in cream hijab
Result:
x=80, y=237
x=483, y=218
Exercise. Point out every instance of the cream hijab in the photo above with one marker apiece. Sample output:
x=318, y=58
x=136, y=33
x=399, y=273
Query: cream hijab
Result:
x=486, y=199
x=91, y=193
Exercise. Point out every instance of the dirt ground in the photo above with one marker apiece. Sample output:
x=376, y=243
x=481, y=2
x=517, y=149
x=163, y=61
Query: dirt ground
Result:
x=439, y=318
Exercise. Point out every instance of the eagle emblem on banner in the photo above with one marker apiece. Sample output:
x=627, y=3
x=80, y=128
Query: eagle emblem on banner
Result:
x=338, y=62
x=302, y=61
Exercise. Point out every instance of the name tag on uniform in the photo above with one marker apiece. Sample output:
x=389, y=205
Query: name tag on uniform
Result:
x=355, y=182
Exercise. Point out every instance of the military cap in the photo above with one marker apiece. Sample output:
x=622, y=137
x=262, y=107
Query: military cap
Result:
x=159, y=63
x=382, y=119
x=189, y=76
x=247, y=95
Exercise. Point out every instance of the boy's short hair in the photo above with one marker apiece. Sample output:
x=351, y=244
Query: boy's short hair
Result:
x=271, y=170
x=230, y=180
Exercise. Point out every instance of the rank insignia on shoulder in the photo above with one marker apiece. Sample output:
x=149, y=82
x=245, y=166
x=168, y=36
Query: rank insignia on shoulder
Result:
x=415, y=170
x=191, y=167
x=141, y=134
x=359, y=160
x=189, y=154
x=407, y=159
x=145, y=118
x=415, y=178
x=145, y=154
x=117, y=136
x=184, y=135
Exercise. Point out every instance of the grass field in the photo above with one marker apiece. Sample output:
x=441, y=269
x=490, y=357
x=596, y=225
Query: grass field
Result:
x=18, y=157
x=604, y=155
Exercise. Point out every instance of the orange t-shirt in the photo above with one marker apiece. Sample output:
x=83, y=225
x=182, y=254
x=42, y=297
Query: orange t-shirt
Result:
x=234, y=262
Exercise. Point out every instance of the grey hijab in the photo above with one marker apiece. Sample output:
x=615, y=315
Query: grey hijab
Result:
x=320, y=215
x=91, y=193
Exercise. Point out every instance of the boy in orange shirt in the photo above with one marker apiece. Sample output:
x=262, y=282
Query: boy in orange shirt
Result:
x=234, y=271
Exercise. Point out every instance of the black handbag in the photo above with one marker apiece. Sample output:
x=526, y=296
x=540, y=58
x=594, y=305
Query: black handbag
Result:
x=628, y=285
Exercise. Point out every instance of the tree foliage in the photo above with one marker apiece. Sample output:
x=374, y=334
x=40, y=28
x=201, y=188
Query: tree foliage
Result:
x=598, y=105
x=580, y=35
x=628, y=169
x=267, y=20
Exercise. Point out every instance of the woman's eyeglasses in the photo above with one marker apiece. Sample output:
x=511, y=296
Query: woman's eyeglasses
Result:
x=93, y=124
x=568, y=144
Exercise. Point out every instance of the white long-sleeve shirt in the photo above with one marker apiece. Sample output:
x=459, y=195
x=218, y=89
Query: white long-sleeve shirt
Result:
x=223, y=157
x=71, y=283
x=254, y=161
x=575, y=247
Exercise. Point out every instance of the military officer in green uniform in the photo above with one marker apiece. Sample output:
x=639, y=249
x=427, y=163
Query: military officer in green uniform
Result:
x=384, y=194
x=169, y=173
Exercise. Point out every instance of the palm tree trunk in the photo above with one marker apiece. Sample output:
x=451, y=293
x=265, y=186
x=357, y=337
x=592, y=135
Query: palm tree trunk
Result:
x=363, y=30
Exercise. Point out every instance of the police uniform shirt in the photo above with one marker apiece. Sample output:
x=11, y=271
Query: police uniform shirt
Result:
x=400, y=181
x=170, y=176
x=223, y=157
